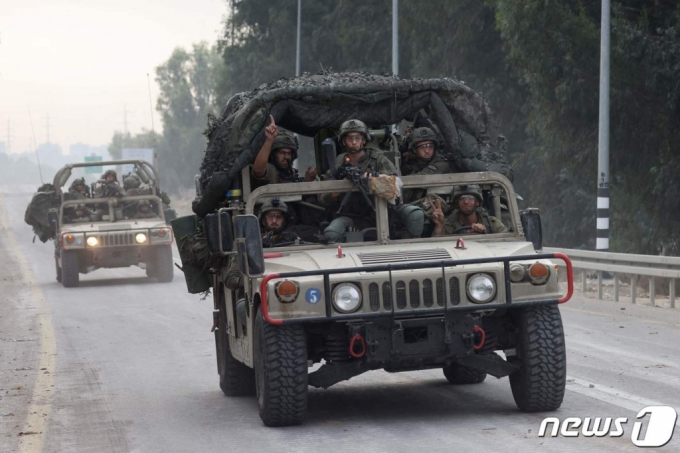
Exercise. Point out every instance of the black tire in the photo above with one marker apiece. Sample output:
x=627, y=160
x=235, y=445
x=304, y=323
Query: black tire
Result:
x=58, y=269
x=538, y=386
x=236, y=379
x=461, y=374
x=280, y=373
x=70, y=277
x=163, y=267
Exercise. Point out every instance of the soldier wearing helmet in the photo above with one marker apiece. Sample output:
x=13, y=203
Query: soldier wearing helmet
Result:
x=78, y=189
x=79, y=213
x=274, y=162
x=468, y=216
x=132, y=185
x=353, y=137
x=108, y=186
x=144, y=210
x=279, y=229
x=423, y=157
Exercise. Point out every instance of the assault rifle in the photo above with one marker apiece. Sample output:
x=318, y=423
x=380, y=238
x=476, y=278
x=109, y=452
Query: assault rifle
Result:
x=347, y=171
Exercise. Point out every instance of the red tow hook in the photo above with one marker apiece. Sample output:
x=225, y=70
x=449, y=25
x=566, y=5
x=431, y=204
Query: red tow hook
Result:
x=352, y=343
x=479, y=346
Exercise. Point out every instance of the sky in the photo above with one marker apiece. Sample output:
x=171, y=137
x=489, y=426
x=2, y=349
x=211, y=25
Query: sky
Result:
x=80, y=65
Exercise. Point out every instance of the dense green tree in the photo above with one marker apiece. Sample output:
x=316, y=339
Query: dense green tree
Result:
x=120, y=140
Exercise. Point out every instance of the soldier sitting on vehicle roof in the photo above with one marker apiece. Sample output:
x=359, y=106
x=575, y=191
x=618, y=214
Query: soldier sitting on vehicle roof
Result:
x=468, y=217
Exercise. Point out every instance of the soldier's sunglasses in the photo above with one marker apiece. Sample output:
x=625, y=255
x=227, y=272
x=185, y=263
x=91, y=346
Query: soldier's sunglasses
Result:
x=425, y=146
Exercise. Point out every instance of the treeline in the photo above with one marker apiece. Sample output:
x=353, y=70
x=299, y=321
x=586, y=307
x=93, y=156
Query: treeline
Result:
x=536, y=61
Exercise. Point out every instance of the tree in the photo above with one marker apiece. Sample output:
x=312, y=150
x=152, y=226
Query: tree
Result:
x=145, y=139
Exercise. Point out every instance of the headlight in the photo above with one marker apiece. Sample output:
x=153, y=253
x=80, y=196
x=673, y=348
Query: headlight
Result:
x=69, y=238
x=481, y=288
x=347, y=298
x=286, y=291
x=517, y=273
x=539, y=273
x=92, y=241
x=140, y=238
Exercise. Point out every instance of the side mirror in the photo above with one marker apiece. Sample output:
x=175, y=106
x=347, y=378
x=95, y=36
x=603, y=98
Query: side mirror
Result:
x=249, y=245
x=219, y=232
x=533, y=230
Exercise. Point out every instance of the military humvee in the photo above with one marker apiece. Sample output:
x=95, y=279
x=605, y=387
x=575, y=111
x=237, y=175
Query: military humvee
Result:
x=109, y=234
x=321, y=313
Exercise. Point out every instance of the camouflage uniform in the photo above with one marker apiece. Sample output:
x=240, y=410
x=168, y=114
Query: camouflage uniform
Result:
x=491, y=223
x=109, y=189
x=290, y=230
x=272, y=173
x=144, y=215
x=415, y=165
x=73, y=191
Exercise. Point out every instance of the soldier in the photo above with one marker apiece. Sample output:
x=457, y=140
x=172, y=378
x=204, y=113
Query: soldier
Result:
x=274, y=162
x=144, y=210
x=78, y=189
x=423, y=156
x=80, y=213
x=131, y=185
x=353, y=137
x=278, y=229
x=109, y=186
x=468, y=217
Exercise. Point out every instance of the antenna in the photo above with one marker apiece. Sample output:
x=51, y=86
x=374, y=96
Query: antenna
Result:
x=153, y=131
x=35, y=143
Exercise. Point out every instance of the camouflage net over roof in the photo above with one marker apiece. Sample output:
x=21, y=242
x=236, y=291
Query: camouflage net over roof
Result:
x=309, y=103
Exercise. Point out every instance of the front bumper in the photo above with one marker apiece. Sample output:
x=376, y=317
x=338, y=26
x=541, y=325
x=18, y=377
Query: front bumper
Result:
x=448, y=296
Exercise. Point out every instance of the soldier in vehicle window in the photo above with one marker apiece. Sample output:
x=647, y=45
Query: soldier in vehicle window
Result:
x=144, y=210
x=80, y=213
x=132, y=186
x=468, y=217
x=79, y=189
x=423, y=157
x=353, y=137
x=278, y=229
x=274, y=162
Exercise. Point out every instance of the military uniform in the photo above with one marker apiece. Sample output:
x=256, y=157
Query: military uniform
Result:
x=415, y=165
x=275, y=175
x=492, y=224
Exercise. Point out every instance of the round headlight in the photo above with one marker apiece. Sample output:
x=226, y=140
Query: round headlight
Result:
x=140, y=238
x=162, y=232
x=517, y=273
x=70, y=238
x=346, y=298
x=481, y=288
x=92, y=241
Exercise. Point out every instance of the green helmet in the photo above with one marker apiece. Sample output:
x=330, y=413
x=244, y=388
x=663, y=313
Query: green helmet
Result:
x=141, y=203
x=471, y=189
x=78, y=182
x=131, y=182
x=286, y=140
x=420, y=135
x=275, y=204
x=112, y=173
x=80, y=207
x=353, y=126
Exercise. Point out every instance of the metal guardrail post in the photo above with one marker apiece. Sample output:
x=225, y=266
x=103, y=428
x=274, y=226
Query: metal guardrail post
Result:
x=599, y=285
x=616, y=287
x=584, y=281
x=652, y=291
x=671, y=292
x=633, y=287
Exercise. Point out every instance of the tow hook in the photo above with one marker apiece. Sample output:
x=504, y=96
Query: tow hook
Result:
x=353, y=346
x=480, y=338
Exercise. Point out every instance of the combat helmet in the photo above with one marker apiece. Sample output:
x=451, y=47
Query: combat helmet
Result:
x=471, y=189
x=420, y=135
x=131, y=182
x=79, y=207
x=112, y=173
x=353, y=126
x=78, y=182
x=286, y=139
x=271, y=205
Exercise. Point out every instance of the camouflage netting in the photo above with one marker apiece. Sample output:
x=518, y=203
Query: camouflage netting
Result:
x=310, y=103
x=36, y=212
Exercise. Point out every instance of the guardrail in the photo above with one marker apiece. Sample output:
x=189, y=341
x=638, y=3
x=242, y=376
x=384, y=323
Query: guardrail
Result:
x=624, y=263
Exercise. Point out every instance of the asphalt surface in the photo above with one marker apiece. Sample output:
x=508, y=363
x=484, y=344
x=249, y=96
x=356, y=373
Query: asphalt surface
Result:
x=124, y=364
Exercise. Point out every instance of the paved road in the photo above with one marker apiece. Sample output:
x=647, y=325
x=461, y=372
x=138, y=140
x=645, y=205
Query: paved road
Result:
x=124, y=364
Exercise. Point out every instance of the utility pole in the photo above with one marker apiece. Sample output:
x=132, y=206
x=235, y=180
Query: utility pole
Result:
x=395, y=37
x=602, y=241
x=297, y=49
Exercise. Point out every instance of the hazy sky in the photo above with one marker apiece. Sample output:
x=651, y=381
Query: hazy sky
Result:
x=84, y=62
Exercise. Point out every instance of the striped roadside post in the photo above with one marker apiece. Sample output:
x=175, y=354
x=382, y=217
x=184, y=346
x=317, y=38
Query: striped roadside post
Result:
x=602, y=241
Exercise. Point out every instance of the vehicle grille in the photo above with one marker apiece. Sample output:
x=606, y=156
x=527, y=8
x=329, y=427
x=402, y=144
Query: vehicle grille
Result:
x=415, y=295
x=399, y=257
x=116, y=239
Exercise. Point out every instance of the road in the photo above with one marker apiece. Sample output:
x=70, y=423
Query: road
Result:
x=123, y=364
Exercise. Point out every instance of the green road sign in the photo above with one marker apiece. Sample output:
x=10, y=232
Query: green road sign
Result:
x=96, y=170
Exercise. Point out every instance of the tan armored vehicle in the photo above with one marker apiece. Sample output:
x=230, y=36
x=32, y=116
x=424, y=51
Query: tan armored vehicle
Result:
x=102, y=227
x=394, y=295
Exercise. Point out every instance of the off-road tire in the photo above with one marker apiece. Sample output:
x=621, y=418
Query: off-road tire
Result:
x=57, y=268
x=70, y=277
x=280, y=373
x=538, y=386
x=236, y=379
x=163, y=267
x=461, y=374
